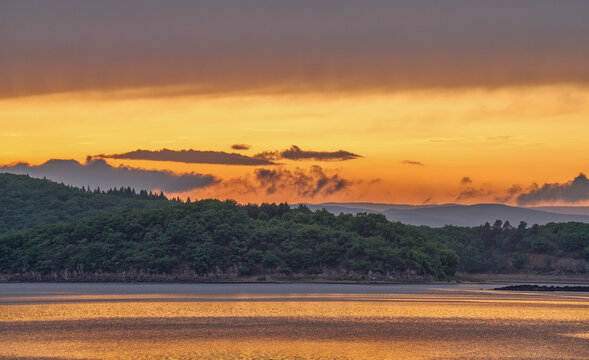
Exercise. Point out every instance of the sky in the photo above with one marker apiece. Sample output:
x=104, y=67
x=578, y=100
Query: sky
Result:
x=415, y=102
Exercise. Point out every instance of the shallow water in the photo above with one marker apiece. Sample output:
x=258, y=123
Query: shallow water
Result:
x=288, y=321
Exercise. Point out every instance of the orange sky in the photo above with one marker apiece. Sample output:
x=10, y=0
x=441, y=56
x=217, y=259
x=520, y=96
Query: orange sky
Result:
x=457, y=101
x=497, y=138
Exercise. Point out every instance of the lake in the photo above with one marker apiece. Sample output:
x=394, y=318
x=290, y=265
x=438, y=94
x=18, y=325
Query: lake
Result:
x=289, y=321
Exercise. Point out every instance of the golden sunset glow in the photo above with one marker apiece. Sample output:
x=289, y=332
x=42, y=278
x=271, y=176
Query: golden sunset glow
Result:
x=415, y=145
x=378, y=108
x=281, y=179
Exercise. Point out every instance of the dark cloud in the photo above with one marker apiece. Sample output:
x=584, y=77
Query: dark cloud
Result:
x=573, y=191
x=411, y=162
x=306, y=183
x=191, y=156
x=470, y=193
x=295, y=153
x=329, y=45
x=511, y=192
x=240, y=147
x=466, y=180
x=97, y=173
x=283, y=183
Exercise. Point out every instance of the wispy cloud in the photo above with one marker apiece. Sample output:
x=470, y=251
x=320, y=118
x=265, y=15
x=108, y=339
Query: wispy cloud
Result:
x=296, y=153
x=191, y=156
x=97, y=173
x=411, y=162
x=305, y=183
x=500, y=138
x=509, y=194
x=285, y=184
x=471, y=193
x=466, y=180
x=240, y=147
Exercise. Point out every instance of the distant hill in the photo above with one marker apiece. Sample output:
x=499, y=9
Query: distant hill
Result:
x=572, y=210
x=461, y=215
x=27, y=202
x=370, y=207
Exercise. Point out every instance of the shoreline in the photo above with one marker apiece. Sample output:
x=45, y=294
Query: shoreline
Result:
x=459, y=279
x=542, y=288
x=489, y=278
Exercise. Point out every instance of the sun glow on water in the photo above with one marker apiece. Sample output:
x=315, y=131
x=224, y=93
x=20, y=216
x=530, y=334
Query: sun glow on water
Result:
x=438, y=324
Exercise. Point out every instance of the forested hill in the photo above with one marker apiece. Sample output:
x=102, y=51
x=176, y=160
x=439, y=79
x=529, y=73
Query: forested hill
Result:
x=122, y=236
x=26, y=202
x=213, y=237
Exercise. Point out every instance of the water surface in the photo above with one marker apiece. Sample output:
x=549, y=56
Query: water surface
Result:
x=288, y=321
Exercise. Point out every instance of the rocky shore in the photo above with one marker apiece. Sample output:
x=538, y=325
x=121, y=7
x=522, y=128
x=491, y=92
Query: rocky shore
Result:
x=228, y=276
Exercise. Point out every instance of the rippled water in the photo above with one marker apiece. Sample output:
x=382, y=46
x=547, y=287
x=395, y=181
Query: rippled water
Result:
x=288, y=321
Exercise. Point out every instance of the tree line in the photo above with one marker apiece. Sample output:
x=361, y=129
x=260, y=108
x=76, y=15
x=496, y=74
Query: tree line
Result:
x=46, y=227
x=212, y=235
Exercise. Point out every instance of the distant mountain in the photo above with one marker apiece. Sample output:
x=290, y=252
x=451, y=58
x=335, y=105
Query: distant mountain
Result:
x=461, y=215
x=571, y=210
x=370, y=207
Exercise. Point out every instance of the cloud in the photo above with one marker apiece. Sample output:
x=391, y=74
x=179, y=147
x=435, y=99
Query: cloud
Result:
x=411, y=162
x=240, y=147
x=466, y=180
x=470, y=193
x=216, y=46
x=511, y=192
x=98, y=173
x=307, y=183
x=295, y=153
x=573, y=191
x=191, y=156
x=283, y=184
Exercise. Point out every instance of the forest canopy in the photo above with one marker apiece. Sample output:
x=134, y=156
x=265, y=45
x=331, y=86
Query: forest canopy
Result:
x=47, y=227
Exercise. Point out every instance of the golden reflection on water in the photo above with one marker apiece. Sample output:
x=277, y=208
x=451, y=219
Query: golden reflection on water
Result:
x=318, y=326
x=279, y=349
x=426, y=308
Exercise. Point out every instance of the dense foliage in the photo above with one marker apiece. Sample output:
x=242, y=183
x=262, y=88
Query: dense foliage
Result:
x=501, y=246
x=211, y=235
x=27, y=202
x=46, y=227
